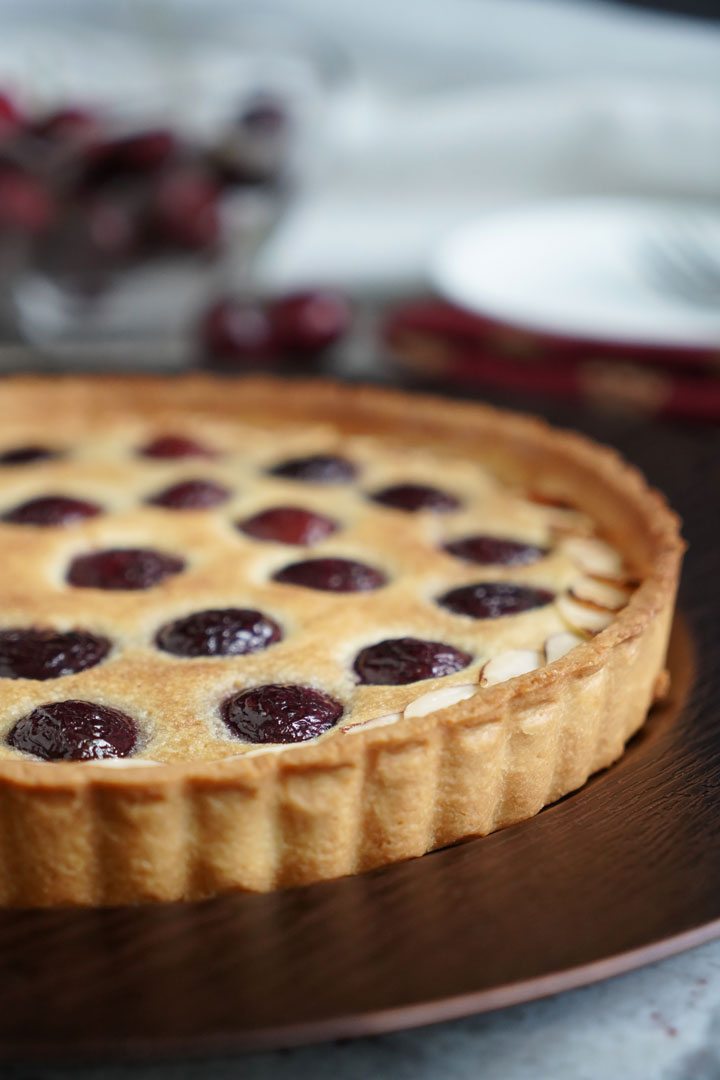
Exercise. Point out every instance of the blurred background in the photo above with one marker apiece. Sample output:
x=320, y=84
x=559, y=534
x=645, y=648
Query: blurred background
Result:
x=513, y=194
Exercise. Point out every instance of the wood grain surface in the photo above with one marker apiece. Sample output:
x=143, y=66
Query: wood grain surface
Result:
x=622, y=872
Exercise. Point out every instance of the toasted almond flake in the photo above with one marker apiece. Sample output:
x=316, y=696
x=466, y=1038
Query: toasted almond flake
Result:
x=559, y=644
x=582, y=616
x=594, y=556
x=599, y=594
x=439, y=699
x=510, y=664
x=576, y=526
x=375, y=722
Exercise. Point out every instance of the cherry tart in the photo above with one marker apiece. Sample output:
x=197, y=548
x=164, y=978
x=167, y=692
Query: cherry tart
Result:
x=256, y=634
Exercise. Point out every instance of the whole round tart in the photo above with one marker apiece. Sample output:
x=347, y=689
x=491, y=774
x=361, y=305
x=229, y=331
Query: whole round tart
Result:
x=260, y=633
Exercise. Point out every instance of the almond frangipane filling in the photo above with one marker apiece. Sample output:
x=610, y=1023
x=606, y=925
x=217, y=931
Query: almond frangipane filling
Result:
x=361, y=581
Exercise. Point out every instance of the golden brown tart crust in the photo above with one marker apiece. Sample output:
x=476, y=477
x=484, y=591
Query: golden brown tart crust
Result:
x=83, y=833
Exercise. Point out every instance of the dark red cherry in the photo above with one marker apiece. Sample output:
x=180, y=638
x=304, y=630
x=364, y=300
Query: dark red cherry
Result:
x=491, y=599
x=493, y=550
x=412, y=497
x=51, y=510
x=185, y=210
x=316, y=469
x=310, y=321
x=74, y=731
x=24, y=455
x=123, y=568
x=331, y=575
x=191, y=495
x=228, y=632
x=280, y=714
x=235, y=333
x=70, y=124
x=110, y=225
x=288, y=525
x=143, y=152
x=10, y=116
x=175, y=446
x=26, y=204
x=48, y=654
x=405, y=660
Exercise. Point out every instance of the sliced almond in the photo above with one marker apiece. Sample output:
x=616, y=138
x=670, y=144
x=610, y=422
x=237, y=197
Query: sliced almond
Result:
x=559, y=644
x=439, y=699
x=571, y=523
x=376, y=721
x=599, y=594
x=510, y=664
x=594, y=556
x=581, y=616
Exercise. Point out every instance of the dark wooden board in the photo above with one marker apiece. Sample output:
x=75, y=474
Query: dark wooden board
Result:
x=620, y=873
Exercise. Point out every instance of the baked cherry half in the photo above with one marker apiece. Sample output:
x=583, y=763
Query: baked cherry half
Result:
x=491, y=599
x=280, y=714
x=175, y=446
x=50, y=510
x=49, y=654
x=332, y=575
x=225, y=632
x=123, y=568
x=288, y=525
x=74, y=731
x=405, y=660
x=25, y=455
x=495, y=551
x=191, y=495
x=316, y=469
x=413, y=497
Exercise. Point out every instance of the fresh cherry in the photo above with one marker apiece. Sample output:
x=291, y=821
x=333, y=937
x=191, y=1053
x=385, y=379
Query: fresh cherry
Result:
x=228, y=632
x=491, y=599
x=316, y=469
x=493, y=550
x=331, y=575
x=24, y=455
x=49, y=654
x=142, y=152
x=123, y=568
x=51, y=510
x=71, y=124
x=10, y=117
x=184, y=211
x=405, y=660
x=412, y=497
x=191, y=495
x=74, y=731
x=235, y=333
x=288, y=525
x=175, y=446
x=309, y=321
x=26, y=205
x=280, y=714
x=109, y=225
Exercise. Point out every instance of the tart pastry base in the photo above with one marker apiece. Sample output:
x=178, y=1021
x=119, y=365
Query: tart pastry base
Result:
x=86, y=834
